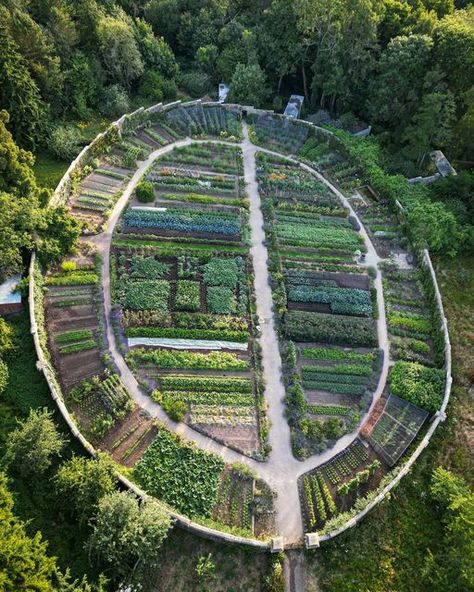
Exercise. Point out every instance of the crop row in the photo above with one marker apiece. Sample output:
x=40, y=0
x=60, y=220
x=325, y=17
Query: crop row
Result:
x=204, y=398
x=329, y=409
x=331, y=353
x=206, y=383
x=335, y=387
x=184, y=220
x=341, y=300
x=339, y=330
x=164, y=358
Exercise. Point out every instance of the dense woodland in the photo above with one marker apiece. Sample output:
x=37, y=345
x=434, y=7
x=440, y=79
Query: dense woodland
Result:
x=407, y=68
x=404, y=66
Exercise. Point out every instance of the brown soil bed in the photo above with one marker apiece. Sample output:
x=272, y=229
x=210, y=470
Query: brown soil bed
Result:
x=128, y=440
x=75, y=368
x=244, y=439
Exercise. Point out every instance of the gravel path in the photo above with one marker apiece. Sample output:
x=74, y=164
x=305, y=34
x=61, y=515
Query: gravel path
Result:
x=281, y=470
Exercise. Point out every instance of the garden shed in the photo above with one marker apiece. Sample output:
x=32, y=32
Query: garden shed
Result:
x=10, y=299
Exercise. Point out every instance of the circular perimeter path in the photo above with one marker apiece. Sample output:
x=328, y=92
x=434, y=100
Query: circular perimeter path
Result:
x=280, y=470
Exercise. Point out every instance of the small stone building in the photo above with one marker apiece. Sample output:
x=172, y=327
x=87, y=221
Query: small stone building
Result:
x=10, y=299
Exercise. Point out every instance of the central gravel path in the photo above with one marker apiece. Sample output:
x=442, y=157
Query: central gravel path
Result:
x=282, y=461
x=281, y=470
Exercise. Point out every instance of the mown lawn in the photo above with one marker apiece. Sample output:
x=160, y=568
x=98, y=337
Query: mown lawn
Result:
x=48, y=169
x=387, y=551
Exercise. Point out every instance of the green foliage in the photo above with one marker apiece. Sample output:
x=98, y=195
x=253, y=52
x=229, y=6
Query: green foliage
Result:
x=145, y=192
x=195, y=83
x=183, y=476
x=453, y=568
x=248, y=85
x=418, y=384
x=25, y=564
x=344, y=330
x=186, y=359
x=127, y=535
x=221, y=300
x=115, y=101
x=83, y=482
x=64, y=142
x=3, y=375
x=175, y=409
x=19, y=93
x=221, y=272
x=34, y=444
x=148, y=267
x=188, y=295
x=147, y=295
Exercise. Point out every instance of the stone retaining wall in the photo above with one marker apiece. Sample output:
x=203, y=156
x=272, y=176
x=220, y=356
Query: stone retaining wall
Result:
x=438, y=418
x=45, y=367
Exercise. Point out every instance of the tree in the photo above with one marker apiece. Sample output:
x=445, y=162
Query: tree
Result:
x=24, y=564
x=278, y=40
x=431, y=126
x=19, y=93
x=435, y=226
x=82, y=86
x=452, y=569
x=119, y=50
x=83, y=482
x=33, y=445
x=248, y=85
x=156, y=53
x=454, y=49
x=127, y=536
x=6, y=343
x=56, y=234
x=3, y=375
x=395, y=92
x=37, y=48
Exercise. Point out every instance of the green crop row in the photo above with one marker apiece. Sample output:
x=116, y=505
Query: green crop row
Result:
x=164, y=358
x=69, y=336
x=331, y=353
x=342, y=330
x=180, y=333
x=356, y=369
x=78, y=347
x=329, y=409
x=206, y=383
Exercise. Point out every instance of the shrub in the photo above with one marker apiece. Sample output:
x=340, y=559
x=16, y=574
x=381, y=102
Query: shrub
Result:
x=68, y=266
x=417, y=384
x=196, y=83
x=176, y=410
x=3, y=375
x=115, y=101
x=64, y=142
x=151, y=86
x=145, y=192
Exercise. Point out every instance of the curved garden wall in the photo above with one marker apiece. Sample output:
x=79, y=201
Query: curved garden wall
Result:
x=102, y=144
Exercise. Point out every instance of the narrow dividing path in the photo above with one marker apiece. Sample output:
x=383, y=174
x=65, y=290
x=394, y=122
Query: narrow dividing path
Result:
x=281, y=470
